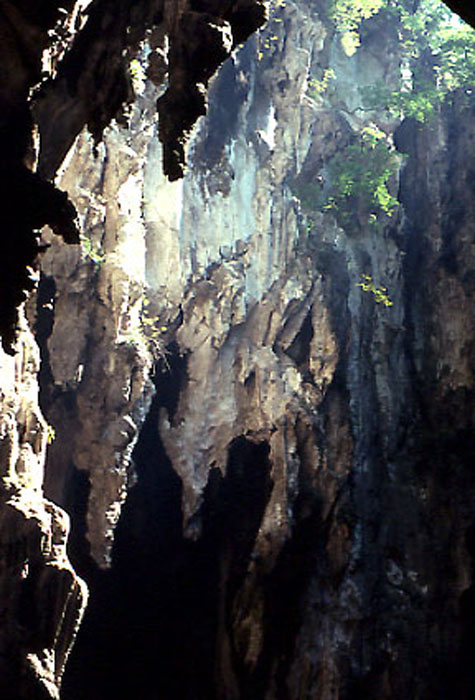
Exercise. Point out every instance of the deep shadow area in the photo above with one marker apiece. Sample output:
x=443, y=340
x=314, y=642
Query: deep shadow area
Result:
x=299, y=349
x=151, y=625
x=466, y=673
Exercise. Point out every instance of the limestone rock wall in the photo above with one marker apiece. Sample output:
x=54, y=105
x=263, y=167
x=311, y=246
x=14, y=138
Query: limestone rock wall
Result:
x=64, y=66
x=353, y=575
x=67, y=66
x=42, y=599
x=351, y=572
x=169, y=262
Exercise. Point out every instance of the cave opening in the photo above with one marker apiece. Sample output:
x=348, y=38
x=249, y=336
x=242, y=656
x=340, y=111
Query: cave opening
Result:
x=150, y=629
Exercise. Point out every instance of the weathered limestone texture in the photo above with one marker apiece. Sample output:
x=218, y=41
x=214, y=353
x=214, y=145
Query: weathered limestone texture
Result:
x=42, y=599
x=109, y=192
x=98, y=357
x=353, y=574
x=66, y=66
x=324, y=442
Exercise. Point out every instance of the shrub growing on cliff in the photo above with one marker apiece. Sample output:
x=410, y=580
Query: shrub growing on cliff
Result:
x=348, y=15
x=137, y=75
x=440, y=58
x=50, y=434
x=318, y=87
x=358, y=176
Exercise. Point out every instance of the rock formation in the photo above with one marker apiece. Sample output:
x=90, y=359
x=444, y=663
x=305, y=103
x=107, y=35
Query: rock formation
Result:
x=66, y=66
x=42, y=598
x=262, y=414
x=70, y=61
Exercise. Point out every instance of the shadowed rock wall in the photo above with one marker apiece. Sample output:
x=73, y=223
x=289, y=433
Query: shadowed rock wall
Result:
x=42, y=599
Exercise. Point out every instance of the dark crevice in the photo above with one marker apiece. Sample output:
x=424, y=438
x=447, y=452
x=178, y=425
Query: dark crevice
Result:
x=285, y=590
x=43, y=328
x=466, y=674
x=175, y=364
x=124, y=648
x=234, y=506
x=76, y=499
x=150, y=630
x=299, y=349
x=226, y=96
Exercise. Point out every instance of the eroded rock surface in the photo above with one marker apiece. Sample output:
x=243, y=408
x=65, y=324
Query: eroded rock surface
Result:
x=345, y=569
x=42, y=599
x=316, y=447
x=66, y=66
x=69, y=63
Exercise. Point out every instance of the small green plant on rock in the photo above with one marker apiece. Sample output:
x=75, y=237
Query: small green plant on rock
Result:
x=90, y=252
x=148, y=333
x=153, y=332
x=137, y=74
x=25, y=480
x=418, y=104
x=380, y=294
x=50, y=434
x=317, y=88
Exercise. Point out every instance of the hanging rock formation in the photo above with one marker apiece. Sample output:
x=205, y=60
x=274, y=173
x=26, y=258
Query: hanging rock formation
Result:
x=69, y=61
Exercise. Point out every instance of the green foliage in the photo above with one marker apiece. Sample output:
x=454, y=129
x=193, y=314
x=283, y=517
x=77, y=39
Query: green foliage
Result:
x=439, y=50
x=153, y=332
x=25, y=480
x=148, y=334
x=438, y=58
x=440, y=54
x=137, y=75
x=348, y=15
x=359, y=176
x=269, y=36
x=90, y=252
x=50, y=434
x=268, y=43
x=380, y=294
x=418, y=104
x=425, y=24
x=356, y=184
x=317, y=88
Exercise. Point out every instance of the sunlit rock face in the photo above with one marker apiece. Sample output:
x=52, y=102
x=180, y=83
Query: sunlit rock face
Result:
x=350, y=574
x=66, y=66
x=96, y=361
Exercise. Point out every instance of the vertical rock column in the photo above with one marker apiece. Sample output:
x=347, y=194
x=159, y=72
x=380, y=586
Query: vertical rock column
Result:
x=42, y=599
